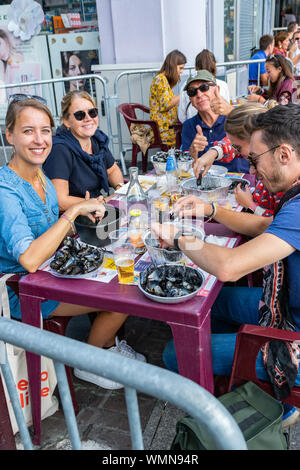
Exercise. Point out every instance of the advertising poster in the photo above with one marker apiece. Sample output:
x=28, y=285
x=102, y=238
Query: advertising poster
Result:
x=73, y=54
x=20, y=62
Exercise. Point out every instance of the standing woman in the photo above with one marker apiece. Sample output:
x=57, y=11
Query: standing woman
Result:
x=30, y=230
x=282, y=82
x=163, y=102
x=80, y=159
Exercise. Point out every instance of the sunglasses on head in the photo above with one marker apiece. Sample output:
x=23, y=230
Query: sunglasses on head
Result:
x=191, y=92
x=80, y=115
x=23, y=96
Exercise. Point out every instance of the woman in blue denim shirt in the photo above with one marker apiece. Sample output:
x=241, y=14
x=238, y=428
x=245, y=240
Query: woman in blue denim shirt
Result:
x=30, y=230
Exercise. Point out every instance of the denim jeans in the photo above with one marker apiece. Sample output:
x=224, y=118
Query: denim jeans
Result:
x=233, y=307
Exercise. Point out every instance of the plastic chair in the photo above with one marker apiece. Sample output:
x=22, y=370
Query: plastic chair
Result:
x=128, y=110
x=56, y=325
x=250, y=339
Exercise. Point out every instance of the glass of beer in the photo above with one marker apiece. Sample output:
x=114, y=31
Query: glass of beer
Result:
x=124, y=261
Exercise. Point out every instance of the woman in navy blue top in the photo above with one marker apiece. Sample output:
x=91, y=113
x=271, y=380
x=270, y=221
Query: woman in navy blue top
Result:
x=80, y=159
x=30, y=230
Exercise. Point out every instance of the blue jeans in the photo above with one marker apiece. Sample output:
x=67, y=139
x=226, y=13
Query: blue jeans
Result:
x=233, y=307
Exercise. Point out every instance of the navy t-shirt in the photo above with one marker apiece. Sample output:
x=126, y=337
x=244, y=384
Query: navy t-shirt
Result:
x=63, y=163
x=286, y=226
x=213, y=134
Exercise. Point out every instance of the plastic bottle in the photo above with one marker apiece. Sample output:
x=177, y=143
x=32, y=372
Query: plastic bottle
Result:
x=171, y=170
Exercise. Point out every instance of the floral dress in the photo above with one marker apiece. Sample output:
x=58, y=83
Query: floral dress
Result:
x=161, y=95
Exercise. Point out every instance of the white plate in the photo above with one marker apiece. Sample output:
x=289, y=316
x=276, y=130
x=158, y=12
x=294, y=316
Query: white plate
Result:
x=89, y=275
x=147, y=182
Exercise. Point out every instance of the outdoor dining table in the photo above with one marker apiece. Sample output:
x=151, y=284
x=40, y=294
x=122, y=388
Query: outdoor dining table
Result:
x=189, y=321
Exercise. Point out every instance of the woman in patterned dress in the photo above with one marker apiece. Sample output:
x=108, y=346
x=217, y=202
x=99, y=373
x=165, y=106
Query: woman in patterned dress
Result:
x=163, y=102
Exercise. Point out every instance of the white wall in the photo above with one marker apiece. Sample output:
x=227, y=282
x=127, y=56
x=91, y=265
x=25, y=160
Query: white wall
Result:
x=184, y=26
x=133, y=31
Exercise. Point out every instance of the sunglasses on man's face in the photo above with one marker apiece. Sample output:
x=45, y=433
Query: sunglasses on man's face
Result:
x=191, y=92
x=80, y=115
x=23, y=96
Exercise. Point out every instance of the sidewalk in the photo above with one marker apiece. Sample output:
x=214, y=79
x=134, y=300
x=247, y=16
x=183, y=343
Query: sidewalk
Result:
x=102, y=417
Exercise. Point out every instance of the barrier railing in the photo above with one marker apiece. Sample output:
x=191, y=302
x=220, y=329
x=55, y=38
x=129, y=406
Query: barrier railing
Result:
x=137, y=84
x=136, y=89
x=53, y=90
x=222, y=430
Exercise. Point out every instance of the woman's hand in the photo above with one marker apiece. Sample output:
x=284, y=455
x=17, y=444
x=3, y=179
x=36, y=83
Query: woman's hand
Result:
x=93, y=208
x=253, y=97
x=205, y=161
x=165, y=233
x=243, y=196
x=192, y=206
x=254, y=89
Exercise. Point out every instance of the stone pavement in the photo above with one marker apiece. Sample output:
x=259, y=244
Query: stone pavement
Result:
x=102, y=417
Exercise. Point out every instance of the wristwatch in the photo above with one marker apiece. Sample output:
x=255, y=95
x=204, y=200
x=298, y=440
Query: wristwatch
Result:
x=181, y=234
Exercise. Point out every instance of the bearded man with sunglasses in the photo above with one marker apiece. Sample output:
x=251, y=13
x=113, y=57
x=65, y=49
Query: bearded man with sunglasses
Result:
x=201, y=131
x=274, y=246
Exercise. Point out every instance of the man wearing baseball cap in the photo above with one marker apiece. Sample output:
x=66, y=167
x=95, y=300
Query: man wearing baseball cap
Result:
x=200, y=132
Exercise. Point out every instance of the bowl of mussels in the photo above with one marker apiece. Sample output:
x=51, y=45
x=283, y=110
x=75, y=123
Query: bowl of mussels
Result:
x=76, y=259
x=170, y=283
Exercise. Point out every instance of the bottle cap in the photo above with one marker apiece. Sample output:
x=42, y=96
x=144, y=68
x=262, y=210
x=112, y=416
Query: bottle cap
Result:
x=135, y=212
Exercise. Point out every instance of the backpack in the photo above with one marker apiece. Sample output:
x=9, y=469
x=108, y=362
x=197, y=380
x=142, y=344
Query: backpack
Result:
x=258, y=415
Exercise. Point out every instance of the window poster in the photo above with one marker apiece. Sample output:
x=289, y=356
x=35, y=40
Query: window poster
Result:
x=21, y=62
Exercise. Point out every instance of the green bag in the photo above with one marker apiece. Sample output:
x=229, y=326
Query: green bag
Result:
x=258, y=415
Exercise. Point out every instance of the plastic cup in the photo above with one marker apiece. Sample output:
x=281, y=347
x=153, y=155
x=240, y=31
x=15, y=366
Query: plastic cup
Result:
x=124, y=260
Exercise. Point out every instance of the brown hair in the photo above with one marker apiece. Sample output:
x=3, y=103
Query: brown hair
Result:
x=206, y=60
x=68, y=99
x=235, y=121
x=280, y=37
x=169, y=67
x=278, y=60
x=13, y=112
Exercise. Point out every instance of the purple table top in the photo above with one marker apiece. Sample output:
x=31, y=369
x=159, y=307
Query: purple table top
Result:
x=122, y=298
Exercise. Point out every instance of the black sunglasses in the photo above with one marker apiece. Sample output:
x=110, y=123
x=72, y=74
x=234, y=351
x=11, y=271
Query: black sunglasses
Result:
x=23, y=96
x=254, y=161
x=80, y=115
x=191, y=92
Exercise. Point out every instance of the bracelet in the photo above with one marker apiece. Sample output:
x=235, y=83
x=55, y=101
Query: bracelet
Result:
x=63, y=216
x=213, y=213
x=253, y=207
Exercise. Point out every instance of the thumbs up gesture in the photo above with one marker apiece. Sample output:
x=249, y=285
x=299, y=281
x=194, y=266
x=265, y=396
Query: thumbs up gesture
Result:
x=199, y=143
x=219, y=105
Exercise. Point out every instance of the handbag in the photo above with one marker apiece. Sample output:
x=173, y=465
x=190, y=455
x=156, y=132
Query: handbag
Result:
x=17, y=361
x=257, y=413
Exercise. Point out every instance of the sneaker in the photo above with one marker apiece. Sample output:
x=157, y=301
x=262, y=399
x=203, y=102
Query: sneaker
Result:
x=97, y=379
x=121, y=347
x=290, y=417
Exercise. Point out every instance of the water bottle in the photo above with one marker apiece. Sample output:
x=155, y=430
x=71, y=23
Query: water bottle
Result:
x=171, y=170
x=135, y=197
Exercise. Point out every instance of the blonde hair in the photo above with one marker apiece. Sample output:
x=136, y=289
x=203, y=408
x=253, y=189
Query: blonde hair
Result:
x=69, y=98
x=13, y=112
x=235, y=121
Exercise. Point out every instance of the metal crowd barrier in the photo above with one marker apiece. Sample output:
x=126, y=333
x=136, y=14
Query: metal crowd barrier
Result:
x=136, y=89
x=221, y=428
x=53, y=90
x=137, y=86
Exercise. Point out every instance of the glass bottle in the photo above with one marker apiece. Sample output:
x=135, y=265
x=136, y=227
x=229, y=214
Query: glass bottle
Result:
x=135, y=197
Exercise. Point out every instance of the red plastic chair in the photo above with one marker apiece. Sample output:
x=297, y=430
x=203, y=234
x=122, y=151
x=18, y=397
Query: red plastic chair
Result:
x=128, y=110
x=56, y=325
x=250, y=339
